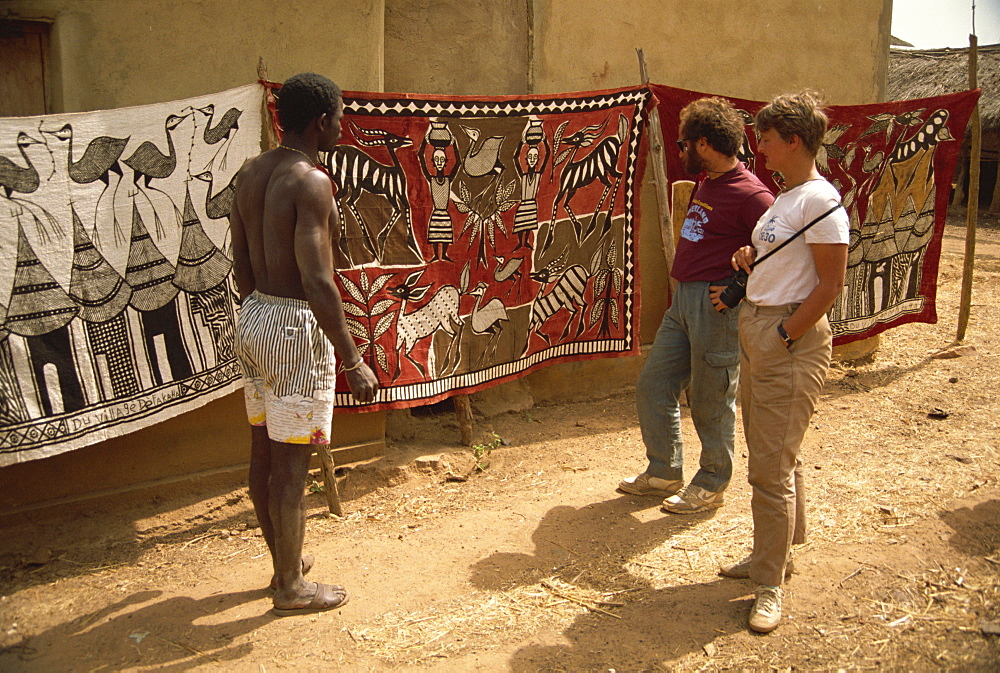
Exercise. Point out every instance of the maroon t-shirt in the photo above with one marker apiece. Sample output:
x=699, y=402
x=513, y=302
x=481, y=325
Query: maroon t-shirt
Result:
x=720, y=218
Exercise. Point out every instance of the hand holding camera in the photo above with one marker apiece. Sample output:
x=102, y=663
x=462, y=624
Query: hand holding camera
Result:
x=736, y=288
x=744, y=260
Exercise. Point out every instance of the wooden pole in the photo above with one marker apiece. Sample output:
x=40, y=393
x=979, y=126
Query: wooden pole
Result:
x=463, y=410
x=995, y=199
x=972, y=209
x=658, y=159
x=682, y=191
x=269, y=139
x=960, y=178
x=329, y=479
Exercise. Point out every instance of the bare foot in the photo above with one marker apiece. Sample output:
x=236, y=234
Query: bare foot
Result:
x=326, y=597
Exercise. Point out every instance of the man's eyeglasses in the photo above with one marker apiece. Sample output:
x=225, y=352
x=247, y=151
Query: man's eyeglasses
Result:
x=682, y=144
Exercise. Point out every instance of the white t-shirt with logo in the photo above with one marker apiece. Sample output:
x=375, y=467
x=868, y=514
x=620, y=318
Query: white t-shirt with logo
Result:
x=788, y=276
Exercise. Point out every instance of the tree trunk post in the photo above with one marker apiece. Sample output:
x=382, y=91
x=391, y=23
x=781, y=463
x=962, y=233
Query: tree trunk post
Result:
x=329, y=480
x=972, y=209
x=656, y=152
x=463, y=409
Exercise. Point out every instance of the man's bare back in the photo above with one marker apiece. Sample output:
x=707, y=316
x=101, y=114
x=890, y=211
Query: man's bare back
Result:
x=273, y=191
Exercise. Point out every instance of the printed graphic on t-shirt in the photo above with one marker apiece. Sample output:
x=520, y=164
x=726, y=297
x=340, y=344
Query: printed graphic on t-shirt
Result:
x=766, y=233
x=694, y=224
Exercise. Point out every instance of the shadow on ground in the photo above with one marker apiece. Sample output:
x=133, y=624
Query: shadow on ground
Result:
x=144, y=630
x=593, y=542
x=977, y=528
x=652, y=632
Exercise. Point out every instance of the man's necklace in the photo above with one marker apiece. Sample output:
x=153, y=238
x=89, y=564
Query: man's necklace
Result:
x=730, y=170
x=292, y=149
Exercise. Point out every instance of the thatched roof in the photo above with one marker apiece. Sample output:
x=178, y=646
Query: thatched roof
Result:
x=919, y=73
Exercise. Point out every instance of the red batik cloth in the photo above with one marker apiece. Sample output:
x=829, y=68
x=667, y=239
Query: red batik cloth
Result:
x=484, y=237
x=893, y=165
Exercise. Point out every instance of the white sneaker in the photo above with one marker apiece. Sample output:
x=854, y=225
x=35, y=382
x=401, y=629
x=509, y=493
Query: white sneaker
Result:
x=766, y=613
x=647, y=485
x=693, y=499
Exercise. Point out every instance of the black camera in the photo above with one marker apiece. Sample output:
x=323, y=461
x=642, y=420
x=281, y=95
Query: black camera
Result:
x=736, y=289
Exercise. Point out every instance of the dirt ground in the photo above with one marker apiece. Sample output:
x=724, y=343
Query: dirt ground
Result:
x=537, y=564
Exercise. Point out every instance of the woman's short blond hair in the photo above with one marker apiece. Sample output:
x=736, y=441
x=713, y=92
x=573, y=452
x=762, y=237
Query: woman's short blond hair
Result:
x=796, y=114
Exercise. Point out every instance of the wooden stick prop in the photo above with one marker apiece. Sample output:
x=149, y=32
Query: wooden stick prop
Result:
x=972, y=208
x=659, y=174
x=463, y=410
x=682, y=190
x=995, y=199
x=329, y=479
x=268, y=137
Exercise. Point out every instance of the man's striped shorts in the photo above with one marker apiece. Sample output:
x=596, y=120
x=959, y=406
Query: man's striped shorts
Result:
x=289, y=369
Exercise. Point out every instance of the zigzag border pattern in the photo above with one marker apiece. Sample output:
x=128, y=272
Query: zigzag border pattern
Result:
x=402, y=107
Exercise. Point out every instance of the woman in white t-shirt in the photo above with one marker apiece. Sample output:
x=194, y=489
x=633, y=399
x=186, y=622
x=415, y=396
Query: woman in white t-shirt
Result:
x=785, y=339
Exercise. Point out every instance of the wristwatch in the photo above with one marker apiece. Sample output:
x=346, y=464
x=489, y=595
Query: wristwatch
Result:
x=784, y=336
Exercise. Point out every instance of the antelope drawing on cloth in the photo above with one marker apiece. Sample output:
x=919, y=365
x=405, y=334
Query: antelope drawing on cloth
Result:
x=440, y=313
x=600, y=164
x=355, y=173
x=566, y=292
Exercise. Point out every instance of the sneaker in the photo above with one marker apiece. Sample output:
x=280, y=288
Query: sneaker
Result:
x=693, y=499
x=766, y=613
x=647, y=485
x=741, y=569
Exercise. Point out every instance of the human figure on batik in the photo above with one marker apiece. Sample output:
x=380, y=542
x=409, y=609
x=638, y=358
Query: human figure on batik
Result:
x=440, y=229
x=526, y=218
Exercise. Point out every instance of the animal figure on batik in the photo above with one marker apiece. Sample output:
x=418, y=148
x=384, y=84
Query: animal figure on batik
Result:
x=600, y=164
x=485, y=208
x=561, y=288
x=441, y=312
x=356, y=173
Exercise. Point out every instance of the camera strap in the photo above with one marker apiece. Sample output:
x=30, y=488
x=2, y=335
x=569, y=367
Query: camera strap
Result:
x=795, y=235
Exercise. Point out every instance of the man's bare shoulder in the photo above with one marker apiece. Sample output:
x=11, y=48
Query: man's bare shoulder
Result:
x=253, y=164
x=312, y=178
x=289, y=177
x=253, y=171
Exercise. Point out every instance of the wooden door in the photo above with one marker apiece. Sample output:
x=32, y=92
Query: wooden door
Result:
x=23, y=46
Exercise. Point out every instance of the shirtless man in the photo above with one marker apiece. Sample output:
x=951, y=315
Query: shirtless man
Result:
x=291, y=330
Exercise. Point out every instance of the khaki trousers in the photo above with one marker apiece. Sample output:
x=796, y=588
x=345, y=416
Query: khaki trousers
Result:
x=779, y=388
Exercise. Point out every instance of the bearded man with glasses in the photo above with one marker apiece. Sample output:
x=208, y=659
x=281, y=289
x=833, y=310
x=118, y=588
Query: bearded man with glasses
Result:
x=696, y=346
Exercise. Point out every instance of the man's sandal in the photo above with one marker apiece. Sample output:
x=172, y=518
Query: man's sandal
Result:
x=327, y=597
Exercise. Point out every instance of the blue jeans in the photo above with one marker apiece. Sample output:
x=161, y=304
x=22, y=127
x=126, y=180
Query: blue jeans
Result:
x=696, y=346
